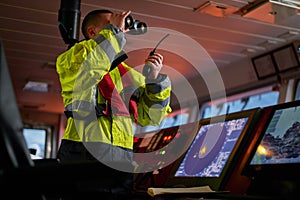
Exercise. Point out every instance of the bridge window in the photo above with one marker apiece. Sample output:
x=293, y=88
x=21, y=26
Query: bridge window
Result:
x=257, y=98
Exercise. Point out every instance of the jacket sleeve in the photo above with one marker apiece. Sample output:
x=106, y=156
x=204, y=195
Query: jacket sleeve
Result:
x=152, y=97
x=154, y=101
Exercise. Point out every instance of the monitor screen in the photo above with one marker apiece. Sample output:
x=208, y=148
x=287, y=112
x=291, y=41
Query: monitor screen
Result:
x=211, y=149
x=214, y=151
x=284, y=62
x=277, y=61
x=277, y=149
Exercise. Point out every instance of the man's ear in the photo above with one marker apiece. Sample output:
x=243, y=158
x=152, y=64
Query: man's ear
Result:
x=91, y=32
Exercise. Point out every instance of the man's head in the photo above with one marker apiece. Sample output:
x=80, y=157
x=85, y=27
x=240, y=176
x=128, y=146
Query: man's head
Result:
x=94, y=21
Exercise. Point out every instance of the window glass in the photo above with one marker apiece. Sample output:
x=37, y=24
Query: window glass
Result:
x=36, y=142
x=264, y=99
x=297, y=93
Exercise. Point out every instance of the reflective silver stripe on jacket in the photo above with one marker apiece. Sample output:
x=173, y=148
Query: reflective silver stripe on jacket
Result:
x=105, y=44
x=80, y=105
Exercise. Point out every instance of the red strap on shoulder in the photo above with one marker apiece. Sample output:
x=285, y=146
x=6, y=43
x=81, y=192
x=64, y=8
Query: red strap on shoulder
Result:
x=108, y=91
x=127, y=82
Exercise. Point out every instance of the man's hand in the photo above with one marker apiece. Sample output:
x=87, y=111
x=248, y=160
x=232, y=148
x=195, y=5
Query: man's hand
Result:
x=155, y=63
x=118, y=19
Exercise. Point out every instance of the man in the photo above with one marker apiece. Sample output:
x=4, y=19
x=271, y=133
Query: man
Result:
x=102, y=95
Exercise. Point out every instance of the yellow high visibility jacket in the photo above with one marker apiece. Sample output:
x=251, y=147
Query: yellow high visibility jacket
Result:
x=81, y=71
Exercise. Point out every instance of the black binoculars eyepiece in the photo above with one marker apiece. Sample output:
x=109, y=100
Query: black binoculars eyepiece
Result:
x=135, y=26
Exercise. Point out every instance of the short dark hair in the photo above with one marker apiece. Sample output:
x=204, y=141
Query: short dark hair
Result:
x=90, y=16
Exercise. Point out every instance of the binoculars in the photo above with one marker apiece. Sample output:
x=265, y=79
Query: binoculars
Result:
x=135, y=26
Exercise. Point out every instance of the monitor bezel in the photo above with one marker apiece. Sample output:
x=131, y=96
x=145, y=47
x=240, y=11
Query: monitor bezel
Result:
x=218, y=183
x=270, y=171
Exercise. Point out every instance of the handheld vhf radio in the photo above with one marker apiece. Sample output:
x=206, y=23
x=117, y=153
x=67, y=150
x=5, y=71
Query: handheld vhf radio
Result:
x=147, y=68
